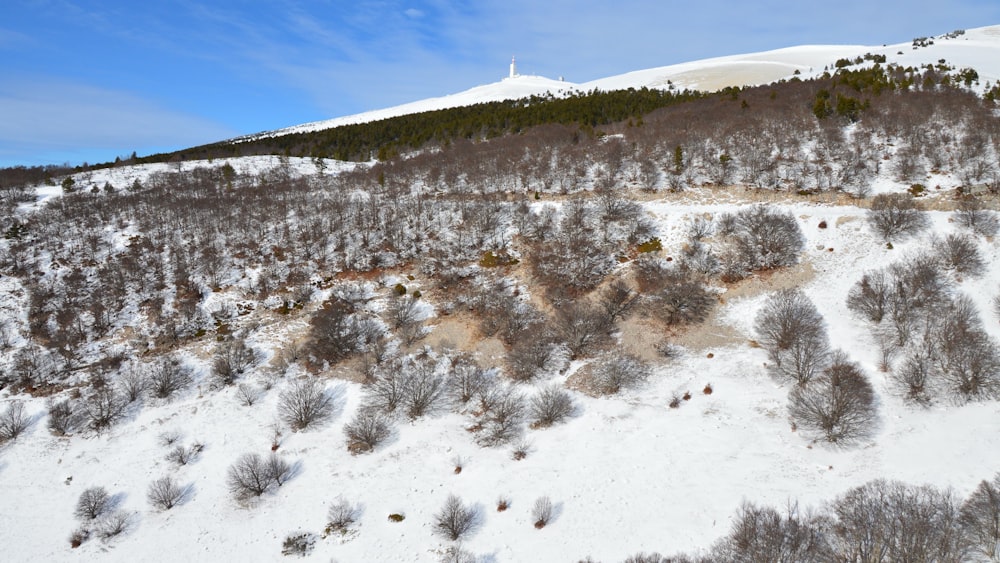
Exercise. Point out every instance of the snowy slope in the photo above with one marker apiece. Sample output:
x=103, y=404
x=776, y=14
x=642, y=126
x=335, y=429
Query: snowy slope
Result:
x=977, y=48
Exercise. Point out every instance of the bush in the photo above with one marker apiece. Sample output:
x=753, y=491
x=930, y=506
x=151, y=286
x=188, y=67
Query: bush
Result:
x=839, y=404
x=366, y=431
x=340, y=516
x=299, y=543
x=103, y=408
x=980, y=519
x=182, y=455
x=247, y=394
x=762, y=534
x=617, y=372
x=454, y=520
x=973, y=216
x=682, y=301
x=550, y=406
x=63, y=417
x=164, y=493
x=305, y=403
x=896, y=216
x=252, y=475
x=871, y=297
x=13, y=421
x=792, y=331
x=961, y=254
x=455, y=554
x=502, y=411
x=541, y=512
x=114, y=524
x=759, y=237
x=536, y=352
x=232, y=359
x=167, y=377
x=92, y=503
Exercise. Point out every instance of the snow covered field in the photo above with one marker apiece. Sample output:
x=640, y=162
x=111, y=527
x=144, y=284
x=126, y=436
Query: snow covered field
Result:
x=627, y=473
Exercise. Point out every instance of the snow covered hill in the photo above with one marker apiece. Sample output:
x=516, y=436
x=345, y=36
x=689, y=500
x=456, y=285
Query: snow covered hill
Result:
x=977, y=48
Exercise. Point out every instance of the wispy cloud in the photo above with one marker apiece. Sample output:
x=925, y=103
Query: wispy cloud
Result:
x=41, y=113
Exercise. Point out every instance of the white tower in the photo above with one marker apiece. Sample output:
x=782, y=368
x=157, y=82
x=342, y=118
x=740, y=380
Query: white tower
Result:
x=513, y=67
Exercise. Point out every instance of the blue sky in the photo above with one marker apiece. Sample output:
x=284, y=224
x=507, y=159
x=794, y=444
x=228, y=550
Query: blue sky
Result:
x=88, y=81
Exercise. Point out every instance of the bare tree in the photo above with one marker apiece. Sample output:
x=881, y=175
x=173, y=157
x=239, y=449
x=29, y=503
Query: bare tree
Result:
x=249, y=477
x=13, y=421
x=133, y=383
x=872, y=296
x=455, y=520
x=541, y=511
x=972, y=215
x=759, y=237
x=232, y=358
x=550, y=406
x=425, y=388
x=763, y=535
x=404, y=316
x=341, y=515
x=980, y=519
x=305, y=403
x=103, y=408
x=114, y=524
x=792, y=331
x=164, y=493
x=64, y=417
x=247, y=394
x=366, y=431
x=618, y=371
x=895, y=216
x=502, y=411
x=93, y=502
x=838, y=405
x=960, y=253
x=166, y=377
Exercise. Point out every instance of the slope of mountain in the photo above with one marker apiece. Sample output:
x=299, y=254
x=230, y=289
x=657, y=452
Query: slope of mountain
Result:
x=977, y=48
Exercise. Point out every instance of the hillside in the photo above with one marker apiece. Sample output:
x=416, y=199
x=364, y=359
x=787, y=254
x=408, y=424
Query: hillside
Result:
x=566, y=314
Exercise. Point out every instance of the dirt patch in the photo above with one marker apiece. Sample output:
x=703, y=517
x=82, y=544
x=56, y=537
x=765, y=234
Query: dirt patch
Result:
x=459, y=331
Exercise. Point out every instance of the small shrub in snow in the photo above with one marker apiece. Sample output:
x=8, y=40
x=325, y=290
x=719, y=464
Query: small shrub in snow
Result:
x=366, y=431
x=103, y=408
x=502, y=413
x=396, y=517
x=305, y=403
x=960, y=253
x=182, y=455
x=247, y=394
x=164, y=493
x=169, y=437
x=541, y=512
x=78, y=536
x=759, y=237
x=252, y=475
x=896, y=216
x=232, y=359
x=13, y=421
x=455, y=554
x=298, y=543
x=973, y=216
x=114, y=524
x=166, y=377
x=980, y=519
x=340, y=516
x=838, y=405
x=617, y=372
x=93, y=502
x=454, y=520
x=63, y=417
x=503, y=503
x=550, y=406
x=521, y=450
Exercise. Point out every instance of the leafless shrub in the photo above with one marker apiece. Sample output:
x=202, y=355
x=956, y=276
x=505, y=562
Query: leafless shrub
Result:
x=541, y=511
x=166, y=377
x=247, y=394
x=582, y=326
x=454, y=520
x=305, y=403
x=366, y=431
x=980, y=519
x=520, y=450
x=182, y=455
x=537, y=351
x=681, y=301
x=889, y=521
x=164, y=493
x=404, y=316
x=759, y=237
x=839, y=404
x=114, y=524
x=617, y=301
x=103, y=407
x=78, y=536
x=341, y=515
x=973, y=216
x=466, y=379
x=550, y=406
x=13, y=421
x=502, y=412
x=762, y=534
x=298, y=543
x=249, y=477
x=168, y=437
x=968, y=358
x=93, y=502
x=792, y=331
x=232, y=358
x=917, y=374
x=64, y=417
x=425, y=388
x=455, y=554
x=872, y=296
x=961, y=254
x=896, y=216
x=133, y=383
x=618, y=371
x=279, y=470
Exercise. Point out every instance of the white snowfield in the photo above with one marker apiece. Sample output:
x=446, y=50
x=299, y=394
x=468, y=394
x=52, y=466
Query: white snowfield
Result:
x=626, y=474
x=977, y=48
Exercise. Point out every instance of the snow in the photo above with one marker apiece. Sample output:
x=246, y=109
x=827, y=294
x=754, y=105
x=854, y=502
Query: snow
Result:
x=626, y=474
